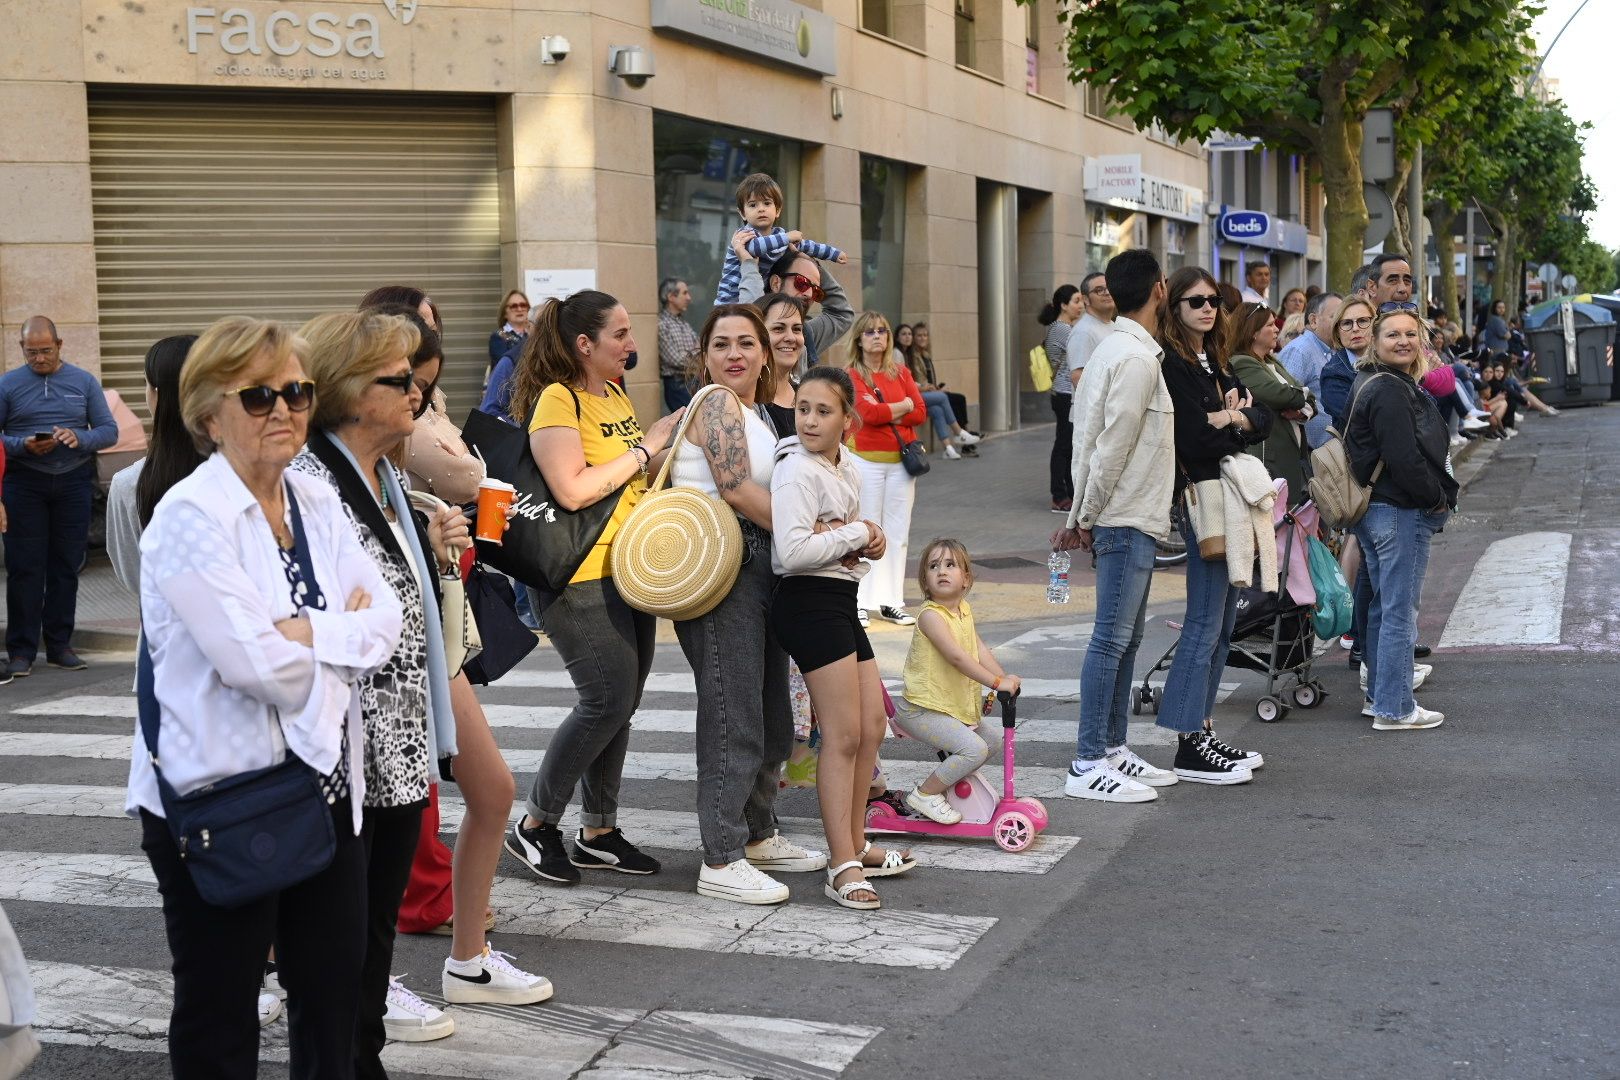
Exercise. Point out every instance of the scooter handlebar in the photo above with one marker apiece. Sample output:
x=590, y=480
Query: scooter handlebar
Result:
x=1009, y=708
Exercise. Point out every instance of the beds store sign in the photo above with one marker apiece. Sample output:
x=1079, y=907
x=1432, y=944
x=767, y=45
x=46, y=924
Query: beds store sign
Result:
x=1244, y=225
x=295, y=45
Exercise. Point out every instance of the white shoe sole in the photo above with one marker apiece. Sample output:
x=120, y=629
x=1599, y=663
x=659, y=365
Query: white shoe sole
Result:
x=1416, y=725
x=415, y=1032
x=760, y=897
x=459, y=993
x=1253, y=762
x=790, y=866
x=1164, y=779
x=1222, y=779
x=954, y=819
x=1076, y=790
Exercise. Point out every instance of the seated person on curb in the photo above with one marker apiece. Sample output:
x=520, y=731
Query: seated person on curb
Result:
x=945, y=669
x=759, y=201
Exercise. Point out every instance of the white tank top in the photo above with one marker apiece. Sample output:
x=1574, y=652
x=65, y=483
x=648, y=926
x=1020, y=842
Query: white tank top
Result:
x=692, y=470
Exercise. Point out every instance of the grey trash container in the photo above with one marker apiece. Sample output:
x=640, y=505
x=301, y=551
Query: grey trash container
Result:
x=1611, y=303
x=1571, y=343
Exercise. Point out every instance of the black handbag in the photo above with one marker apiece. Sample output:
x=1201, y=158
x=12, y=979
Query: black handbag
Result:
x=255, y=833
x=545, y=543
x=506, y=640
x=912, y=456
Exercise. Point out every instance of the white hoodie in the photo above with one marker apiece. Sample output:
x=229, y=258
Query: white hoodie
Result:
x=807, y=488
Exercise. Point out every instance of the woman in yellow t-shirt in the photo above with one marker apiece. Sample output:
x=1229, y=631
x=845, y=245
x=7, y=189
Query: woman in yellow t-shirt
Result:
x=589, y=446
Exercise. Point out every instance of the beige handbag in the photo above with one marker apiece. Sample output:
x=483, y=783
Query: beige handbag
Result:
x=1206, y=513
x=678, y=553
x=462, y=641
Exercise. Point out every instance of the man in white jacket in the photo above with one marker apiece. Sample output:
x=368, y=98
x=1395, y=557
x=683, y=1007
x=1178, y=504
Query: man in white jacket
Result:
x=1124, y=477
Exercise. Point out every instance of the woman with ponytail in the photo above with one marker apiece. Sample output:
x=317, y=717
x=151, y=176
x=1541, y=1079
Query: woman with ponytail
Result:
x=1059, y=316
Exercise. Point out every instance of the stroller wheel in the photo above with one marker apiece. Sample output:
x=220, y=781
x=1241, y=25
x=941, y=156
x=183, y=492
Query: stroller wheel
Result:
x=1137, y=701
x=1269, y=710
x=1307, y=695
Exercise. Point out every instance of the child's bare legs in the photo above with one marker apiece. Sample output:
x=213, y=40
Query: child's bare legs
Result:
x=835, y=693
x=873, y=720
x=486, y=785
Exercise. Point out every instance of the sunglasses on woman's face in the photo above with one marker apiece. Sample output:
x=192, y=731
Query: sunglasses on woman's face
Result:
x=1196, y=302
x=402, y=383
x=808, y=288
x=874, y=331
x=517, y=306
x=261, y=400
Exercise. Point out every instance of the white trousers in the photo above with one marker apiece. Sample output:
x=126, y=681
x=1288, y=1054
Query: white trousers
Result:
x=887, y=494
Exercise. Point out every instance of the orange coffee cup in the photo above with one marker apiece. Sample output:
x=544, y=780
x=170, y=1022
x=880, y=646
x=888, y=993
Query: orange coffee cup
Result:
x=494, y=497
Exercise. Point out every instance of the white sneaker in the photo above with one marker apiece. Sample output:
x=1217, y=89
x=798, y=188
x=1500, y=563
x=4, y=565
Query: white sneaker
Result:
x=952, y=453
x=1418, y=719
x=1366, y=707
x=1552, y=410
x=272, y=984
x=1473, y=423
x=269, y=1009
x=741, y=883
x=866, y=620
x=967, y=438
x=1104, y=783
x=1458, y=441
x=491, y=976
x=1345, y=642
x=1128, y=764
x=410, y=1019
x=776, y=852
x=1512, y=432
x=933, y=807
x=1420, y=673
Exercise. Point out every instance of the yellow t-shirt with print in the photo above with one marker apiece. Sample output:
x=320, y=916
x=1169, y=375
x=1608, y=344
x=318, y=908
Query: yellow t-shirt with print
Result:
x=607, y=428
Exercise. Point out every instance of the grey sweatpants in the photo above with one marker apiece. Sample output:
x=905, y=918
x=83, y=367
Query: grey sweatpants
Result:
x=744, y=719
x=608, y=648
x=965, y=749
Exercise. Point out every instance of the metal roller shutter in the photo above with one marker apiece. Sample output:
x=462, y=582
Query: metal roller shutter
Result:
x=285, y=205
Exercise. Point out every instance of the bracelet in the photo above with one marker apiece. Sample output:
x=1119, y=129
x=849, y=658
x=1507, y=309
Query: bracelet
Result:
x=997, y=684
x=643, y=461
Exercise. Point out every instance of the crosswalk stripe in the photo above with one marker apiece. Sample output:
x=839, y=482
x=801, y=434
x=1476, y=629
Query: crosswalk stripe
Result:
x=1515, y=595
x=127, y=1009
x=659, y=682
x=666, y=918
x=666, y=829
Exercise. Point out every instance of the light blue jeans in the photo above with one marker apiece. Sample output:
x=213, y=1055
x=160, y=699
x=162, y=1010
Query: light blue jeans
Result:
x=1395, y=549
x=1124, y=571
x=1206, y=638
x=939, y=411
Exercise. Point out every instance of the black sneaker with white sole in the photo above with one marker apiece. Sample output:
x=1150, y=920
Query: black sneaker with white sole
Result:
x=541, y=850
x=1198, y=762
x=611, y=851
x=1250, y=759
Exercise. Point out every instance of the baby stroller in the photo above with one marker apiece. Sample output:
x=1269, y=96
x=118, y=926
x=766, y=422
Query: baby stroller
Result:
x=1272, y=631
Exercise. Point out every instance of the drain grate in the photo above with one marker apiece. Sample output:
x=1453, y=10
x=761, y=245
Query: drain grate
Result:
x=1010, y=562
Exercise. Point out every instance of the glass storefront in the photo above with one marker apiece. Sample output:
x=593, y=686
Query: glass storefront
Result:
x=1112, y=232
x=696, y=168
x=883, y=234
x=1175, y=246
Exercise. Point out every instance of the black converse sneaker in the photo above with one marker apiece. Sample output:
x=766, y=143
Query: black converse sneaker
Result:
x=611, y=851
x=541, y=850
x=1198, y=762
x=1250, y=759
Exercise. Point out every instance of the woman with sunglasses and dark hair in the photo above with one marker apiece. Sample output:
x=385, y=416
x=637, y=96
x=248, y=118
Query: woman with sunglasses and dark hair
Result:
x=253, y=661
x=1215, y=416
x=797, y=274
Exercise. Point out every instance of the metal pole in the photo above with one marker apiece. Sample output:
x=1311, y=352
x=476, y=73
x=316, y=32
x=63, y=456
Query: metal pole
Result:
x=1468, y=269
x=1414, y=221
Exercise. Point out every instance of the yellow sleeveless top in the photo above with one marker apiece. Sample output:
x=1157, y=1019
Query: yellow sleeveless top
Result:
x=931, y=682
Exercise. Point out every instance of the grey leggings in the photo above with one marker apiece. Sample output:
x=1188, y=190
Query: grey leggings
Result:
x=966, y=750
x=608, y=648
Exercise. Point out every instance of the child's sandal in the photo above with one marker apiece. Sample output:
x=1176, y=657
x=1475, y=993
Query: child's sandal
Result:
x=839, y=894
x=893, y=862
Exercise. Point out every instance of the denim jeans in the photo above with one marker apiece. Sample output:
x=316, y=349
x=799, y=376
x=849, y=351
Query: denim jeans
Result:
x=677, y=392
x=1124, y=571
x=1361, y=600
x=1206, y=638
x=48, y=530
x=939, y=411
x=744, y=719
x=608, y=648
x=1395, y=548
x=1062, y=463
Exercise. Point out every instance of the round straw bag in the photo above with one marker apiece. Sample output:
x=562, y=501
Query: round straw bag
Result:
x=678, y=553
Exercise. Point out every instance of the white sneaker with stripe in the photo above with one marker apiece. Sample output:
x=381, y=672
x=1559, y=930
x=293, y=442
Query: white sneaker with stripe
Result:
x=1127, y=763
x=1103, y=783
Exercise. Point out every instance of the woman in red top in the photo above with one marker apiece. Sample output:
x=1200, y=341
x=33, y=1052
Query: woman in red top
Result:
x=890, y=407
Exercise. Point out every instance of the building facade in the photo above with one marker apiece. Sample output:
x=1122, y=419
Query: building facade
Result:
x=174, y=161
x=1264, y=206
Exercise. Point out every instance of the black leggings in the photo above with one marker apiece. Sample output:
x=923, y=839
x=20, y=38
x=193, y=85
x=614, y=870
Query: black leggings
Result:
x=1062, y=466
x=389, y=836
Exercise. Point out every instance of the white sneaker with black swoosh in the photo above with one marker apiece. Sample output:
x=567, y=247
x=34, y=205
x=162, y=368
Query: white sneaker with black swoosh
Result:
x=410, y=1019
x=1106, y=784
x=492, y=977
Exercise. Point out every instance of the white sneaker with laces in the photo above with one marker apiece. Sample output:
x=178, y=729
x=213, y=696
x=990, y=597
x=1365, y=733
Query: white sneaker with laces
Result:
x=933, y=807
x=410, y=1019
x=491, y=976
x=966, y=438
x=740, y=883
x=778, y=853
x=1127, y=763
x=952, y=453
x=1418, y=719
x=1420, y=673
x=269, y=1009
x=1103, y=783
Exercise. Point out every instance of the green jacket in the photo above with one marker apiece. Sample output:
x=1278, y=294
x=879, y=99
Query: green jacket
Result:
x=1285, y=447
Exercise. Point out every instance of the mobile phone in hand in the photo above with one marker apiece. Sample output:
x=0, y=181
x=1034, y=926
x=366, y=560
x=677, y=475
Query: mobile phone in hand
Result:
x=43, y=435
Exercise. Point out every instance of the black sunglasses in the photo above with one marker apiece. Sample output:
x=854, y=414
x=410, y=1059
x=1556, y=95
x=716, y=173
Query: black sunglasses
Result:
x=1196, y=302
x=261, y=400
x=402, y=383
x=1389, y=306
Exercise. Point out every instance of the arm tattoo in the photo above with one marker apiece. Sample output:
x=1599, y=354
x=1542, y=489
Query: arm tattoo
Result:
x=725, y=443
x=608, y=487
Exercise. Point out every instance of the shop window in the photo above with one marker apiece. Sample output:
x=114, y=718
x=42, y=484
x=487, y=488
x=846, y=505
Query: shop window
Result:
x=1100, y=107
x=966, y=42
x=883, y=234
x=1175, y=246
x=696, y=167
x=1112, y=232
x=1287, y=183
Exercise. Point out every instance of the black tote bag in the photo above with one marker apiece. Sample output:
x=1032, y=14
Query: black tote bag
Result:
x=545, y=544
x=506, y=640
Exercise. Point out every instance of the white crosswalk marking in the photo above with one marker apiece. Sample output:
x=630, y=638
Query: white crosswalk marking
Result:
x=128, y=1009
x=666, y=918
x=1515, y=595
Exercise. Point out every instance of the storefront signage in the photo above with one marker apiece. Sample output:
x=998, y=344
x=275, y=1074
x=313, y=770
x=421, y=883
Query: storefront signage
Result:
x=1244, y=226
x=1256, y=229
x=777, y=30
x=1115, y=176
x=556, y=284
x=292, y=45
x=1118, y=180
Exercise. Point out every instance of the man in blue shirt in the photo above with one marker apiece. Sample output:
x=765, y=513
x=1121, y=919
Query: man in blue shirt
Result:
x=1306, y=355
x=53, y=420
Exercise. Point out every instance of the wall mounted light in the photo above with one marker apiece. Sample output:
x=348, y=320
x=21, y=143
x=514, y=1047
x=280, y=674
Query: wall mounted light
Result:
x=632, y=63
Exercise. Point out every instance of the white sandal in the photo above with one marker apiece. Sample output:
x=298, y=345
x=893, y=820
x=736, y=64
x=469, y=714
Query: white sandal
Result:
x=839, y=894
x=893, y=862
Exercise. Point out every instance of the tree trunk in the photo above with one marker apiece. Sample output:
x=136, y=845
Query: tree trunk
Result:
x=1346, y=218
x=1509, y=283
x=1400, y=237
x=1442, y=222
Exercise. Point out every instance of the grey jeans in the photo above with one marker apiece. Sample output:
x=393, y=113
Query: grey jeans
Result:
x=608, y=648
x=744, y=720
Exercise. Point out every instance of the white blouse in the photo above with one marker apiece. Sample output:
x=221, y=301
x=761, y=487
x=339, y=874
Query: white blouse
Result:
x=234, y=694
x=691, y=468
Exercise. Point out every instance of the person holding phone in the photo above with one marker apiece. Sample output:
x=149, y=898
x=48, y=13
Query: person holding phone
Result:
x=53, y=420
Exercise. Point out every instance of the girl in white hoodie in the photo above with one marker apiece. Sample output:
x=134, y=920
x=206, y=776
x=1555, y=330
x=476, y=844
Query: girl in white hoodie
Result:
x=817, y=546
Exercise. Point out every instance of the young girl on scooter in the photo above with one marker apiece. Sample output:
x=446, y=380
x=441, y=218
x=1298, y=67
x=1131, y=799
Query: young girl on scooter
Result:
x=818, y=542
x=947, y=672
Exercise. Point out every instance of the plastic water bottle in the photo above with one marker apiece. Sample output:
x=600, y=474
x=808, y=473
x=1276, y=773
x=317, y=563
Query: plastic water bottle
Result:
x=1057, y=578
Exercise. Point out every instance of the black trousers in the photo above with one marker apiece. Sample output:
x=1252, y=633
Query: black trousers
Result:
x=219, y=956
x=1062, y=449
x=958, y=404
x=45, y=542
x=388, y=836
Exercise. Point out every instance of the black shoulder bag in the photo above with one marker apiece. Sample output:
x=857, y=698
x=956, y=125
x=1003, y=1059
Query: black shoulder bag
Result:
x=912, y=456
x=255, y=833
x=545, y=543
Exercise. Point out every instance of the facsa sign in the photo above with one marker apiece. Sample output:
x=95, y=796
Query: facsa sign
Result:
x=1244, y=225
x=241, y=32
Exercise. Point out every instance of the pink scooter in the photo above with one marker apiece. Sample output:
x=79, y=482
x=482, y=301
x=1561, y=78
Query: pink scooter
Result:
x=1013, y=822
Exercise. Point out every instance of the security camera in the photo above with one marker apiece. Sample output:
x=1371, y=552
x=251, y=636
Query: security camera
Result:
x=554, y=48
x=631, y=63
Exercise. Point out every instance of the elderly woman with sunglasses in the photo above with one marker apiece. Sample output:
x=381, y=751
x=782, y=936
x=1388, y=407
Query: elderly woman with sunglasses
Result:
x=253, y=661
